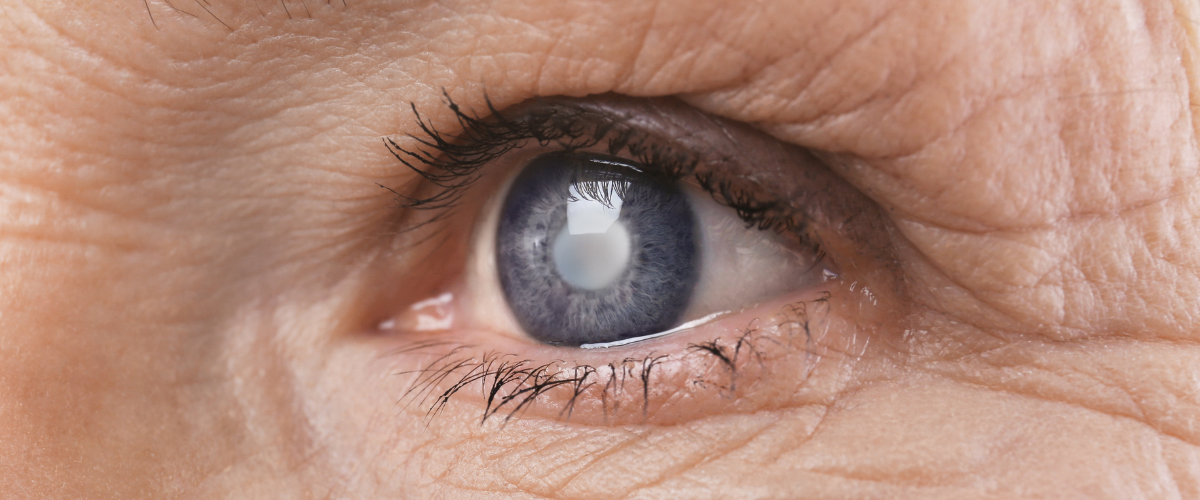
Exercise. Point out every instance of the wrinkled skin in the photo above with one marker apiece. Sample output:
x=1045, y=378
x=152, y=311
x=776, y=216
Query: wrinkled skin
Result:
x=189, y=218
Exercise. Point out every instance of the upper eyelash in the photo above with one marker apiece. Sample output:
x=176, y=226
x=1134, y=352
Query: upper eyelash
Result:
x=452, y=163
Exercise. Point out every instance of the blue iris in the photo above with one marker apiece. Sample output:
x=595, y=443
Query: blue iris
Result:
x=590, y=250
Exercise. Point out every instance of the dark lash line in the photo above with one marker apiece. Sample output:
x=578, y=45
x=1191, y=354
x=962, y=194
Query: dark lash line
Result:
x=455, y=161
x=523, y=380
x=511, y=386
x=452, y=162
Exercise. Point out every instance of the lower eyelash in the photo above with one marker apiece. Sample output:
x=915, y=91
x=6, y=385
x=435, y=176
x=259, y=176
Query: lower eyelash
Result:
x=511, y=386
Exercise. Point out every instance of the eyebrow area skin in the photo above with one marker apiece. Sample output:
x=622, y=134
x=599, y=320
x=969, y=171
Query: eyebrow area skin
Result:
x=190, y=201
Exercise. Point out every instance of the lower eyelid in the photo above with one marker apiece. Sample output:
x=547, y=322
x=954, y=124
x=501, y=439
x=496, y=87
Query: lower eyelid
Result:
x=759, y=359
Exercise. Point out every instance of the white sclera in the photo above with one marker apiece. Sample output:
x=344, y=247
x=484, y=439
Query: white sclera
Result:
x=593, y=250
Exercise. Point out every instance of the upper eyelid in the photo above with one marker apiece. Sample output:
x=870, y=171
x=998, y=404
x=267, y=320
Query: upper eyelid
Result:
x=786, y=187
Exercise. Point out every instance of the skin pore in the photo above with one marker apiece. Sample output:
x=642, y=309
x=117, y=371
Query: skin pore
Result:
x=195, y=250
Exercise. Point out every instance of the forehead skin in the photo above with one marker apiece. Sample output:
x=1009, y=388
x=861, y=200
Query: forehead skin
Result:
x=162, y=166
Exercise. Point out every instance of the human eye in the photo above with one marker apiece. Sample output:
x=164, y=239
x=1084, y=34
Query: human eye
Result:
x=616, y=260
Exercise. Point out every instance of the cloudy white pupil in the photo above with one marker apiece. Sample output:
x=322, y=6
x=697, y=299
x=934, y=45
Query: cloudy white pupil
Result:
x=593, y=250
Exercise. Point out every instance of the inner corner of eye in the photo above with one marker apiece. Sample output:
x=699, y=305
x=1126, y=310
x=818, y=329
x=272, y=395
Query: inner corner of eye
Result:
x=593, y=250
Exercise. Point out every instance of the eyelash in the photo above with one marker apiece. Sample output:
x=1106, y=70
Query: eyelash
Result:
x=452, y=163
x=516, y=385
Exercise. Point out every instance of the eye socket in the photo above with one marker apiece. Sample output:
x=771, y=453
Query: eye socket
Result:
x=500, y=309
